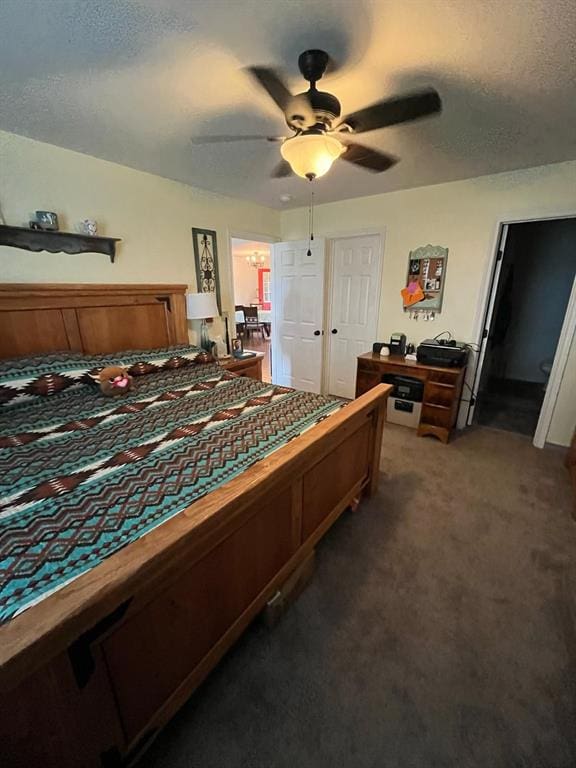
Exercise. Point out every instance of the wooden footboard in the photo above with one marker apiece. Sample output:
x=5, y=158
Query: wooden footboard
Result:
x=90, y=674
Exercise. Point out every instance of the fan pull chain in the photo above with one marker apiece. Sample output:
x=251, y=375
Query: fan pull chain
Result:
x=310, y=224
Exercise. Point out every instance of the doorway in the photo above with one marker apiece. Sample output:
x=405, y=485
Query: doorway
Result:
x=252, y=298
x=532, y=287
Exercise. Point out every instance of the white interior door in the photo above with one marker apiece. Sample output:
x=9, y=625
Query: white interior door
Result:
x=567, y=333
x=493, y=290
x=353, y=311
x=298, y=305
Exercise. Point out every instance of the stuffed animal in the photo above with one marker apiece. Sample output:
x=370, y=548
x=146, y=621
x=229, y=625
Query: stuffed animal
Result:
x=114, y=381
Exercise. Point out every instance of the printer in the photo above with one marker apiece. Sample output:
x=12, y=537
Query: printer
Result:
x=443, y=352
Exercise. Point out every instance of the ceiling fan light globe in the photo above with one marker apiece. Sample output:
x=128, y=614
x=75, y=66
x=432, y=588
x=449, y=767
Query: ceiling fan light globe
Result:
x=311, y=155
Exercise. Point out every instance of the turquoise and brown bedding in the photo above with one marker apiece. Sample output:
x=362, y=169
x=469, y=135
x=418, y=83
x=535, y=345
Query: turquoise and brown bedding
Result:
x=82, y=475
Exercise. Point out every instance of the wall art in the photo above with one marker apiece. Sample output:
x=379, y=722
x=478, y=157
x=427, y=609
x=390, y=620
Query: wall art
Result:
x=206, y=262
x=427, y=271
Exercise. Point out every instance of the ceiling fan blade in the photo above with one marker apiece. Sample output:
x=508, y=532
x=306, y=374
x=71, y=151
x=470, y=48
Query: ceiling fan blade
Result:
x=297, y=109
x=282, y=170
x=368, y=158
x=299, y=112
x=400, y=109
x=223, y=139
x=273, y=85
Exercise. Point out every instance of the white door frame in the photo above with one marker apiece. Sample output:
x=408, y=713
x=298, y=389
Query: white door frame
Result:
x=568, y=327
x=329, y=284
x=557, y=372
x=236, y=234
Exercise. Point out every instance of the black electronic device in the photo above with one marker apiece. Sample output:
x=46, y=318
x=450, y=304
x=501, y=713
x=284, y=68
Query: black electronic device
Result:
x=398, y=344
x=405, y=387
x=378, y=346
x=442, y=352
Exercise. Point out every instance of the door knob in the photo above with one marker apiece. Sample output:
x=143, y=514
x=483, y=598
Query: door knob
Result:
x=316, y=333
x=334, y=330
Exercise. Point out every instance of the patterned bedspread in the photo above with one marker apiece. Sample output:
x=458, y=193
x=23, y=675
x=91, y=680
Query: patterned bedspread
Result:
x=82, y=475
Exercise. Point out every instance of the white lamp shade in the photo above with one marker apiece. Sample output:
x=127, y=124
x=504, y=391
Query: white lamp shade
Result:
x=311, y=155
x=199, y=306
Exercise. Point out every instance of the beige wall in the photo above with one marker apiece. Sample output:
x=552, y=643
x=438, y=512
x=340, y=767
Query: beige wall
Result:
x=462, y=216
x=245, y=282
x=152, y=215
x=245, y=275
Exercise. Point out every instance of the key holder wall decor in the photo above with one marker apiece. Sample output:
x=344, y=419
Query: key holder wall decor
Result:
x=427, y=275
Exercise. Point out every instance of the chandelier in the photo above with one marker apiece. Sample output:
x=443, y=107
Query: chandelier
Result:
x=256, y=260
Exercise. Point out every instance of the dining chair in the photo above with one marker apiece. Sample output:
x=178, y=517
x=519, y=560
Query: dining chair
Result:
x=240, y=326
x=252, y=321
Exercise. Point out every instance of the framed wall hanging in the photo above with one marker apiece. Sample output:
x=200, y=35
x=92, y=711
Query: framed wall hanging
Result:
x=206, y=262
x=427, y=269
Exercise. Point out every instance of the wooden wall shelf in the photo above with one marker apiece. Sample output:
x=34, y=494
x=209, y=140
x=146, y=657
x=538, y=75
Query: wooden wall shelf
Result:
x=57, y=242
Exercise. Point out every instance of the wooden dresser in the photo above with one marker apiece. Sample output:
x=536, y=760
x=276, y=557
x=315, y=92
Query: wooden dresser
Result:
x=442, y=389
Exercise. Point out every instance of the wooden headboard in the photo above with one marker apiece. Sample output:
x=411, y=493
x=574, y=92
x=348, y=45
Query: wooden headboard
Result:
x=90, y=318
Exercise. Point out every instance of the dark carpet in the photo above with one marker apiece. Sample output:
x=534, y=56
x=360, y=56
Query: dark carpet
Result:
x=436, y=631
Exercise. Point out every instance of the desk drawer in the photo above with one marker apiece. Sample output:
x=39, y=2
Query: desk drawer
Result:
x=436, y=415
x=404, y=370
x=444, y=377
x=438, y=393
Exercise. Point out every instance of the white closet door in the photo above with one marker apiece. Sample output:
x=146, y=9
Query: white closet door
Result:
x=298, y=307
x=354, y=302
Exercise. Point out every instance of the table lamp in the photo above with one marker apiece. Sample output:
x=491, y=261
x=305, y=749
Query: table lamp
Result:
x=200, y=306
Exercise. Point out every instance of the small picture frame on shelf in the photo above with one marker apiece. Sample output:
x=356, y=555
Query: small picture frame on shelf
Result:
x=237, y=346
x=48, y=220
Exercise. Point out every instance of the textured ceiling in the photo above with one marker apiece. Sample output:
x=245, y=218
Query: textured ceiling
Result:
x=132, y=80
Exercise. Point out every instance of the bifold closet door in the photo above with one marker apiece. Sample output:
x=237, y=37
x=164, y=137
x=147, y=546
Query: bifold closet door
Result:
x=298, y=314
x=353, y=310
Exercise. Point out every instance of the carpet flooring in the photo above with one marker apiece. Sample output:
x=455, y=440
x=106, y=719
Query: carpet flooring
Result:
x=437, y=630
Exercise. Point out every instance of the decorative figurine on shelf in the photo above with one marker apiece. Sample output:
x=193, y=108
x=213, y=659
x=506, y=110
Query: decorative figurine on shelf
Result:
x=47, y=220
x=89, y=227
x=114, y=381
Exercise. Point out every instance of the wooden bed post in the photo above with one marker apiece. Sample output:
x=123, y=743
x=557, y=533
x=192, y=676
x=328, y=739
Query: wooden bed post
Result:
x=379, y=417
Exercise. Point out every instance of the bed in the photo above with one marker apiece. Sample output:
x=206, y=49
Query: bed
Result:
x=222, y=485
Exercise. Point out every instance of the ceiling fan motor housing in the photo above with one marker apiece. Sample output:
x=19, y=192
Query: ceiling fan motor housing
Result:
x=312, y=64
x=326, y=107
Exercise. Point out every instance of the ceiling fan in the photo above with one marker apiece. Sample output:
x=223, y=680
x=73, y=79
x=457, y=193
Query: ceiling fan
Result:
x=320, y=134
